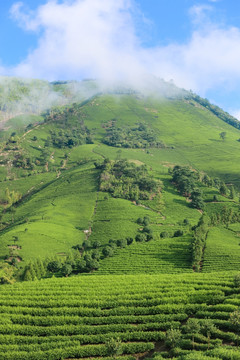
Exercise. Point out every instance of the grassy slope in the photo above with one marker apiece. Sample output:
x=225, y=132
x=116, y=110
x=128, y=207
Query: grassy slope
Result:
x=60, y=208
x=193, y=131
x=174, y=121
x=56, y=215
x=222, y=250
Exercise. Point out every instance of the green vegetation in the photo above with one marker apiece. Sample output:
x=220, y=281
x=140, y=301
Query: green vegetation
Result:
x=69, y=138
x=91, y=228
x=126, y=180
x=109, y=316
x=137, y=137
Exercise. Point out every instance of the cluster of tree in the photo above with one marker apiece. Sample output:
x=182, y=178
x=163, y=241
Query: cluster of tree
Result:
x=34, y=270
x=63, y=115
x=126, y=180
x=186, y=180
x=7, y=274
x=166, y=234
x=194, y=327
x=73, y=263
x=226, y=216
x=146, y=233
x=97, y=251
x=12, y=196
x=69, y=137
x=223, y=115
x=13, y=138
x=132, y=137
x=199, y=241
x=24, y=162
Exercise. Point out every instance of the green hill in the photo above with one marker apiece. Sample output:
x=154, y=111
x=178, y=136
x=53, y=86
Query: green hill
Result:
x=116, y=189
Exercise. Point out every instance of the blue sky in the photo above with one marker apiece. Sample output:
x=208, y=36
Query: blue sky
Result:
x=195, y=43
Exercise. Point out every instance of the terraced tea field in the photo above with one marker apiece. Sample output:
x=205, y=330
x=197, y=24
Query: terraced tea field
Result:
x=222, y=250
x=73, y=318
x=157, y=256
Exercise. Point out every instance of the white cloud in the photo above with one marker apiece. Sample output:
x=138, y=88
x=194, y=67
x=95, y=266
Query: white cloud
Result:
x=236, y=113
x=81, y=38
x=95, y=38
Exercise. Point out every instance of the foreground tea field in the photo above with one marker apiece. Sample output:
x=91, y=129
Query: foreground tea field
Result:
x=73, y=318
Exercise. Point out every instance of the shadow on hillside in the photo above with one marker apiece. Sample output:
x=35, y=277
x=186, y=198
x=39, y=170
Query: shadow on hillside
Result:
x=181, y=202
x=177, y=254
x=36, y=148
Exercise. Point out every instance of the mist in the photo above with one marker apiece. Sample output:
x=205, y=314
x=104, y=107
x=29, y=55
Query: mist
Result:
x=96, y=39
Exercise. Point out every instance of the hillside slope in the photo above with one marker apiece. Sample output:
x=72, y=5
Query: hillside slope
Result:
x=49, y=168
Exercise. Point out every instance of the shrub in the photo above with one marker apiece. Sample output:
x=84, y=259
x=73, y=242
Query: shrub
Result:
x=107, y=251
x=122, y=243
x=141, y=237
x=178, y=233
x=54, y=266
x=164, y=234
x=129, y=240
x=96, y=244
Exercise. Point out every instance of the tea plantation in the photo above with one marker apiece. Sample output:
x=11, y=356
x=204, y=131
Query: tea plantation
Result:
x=75, y=317
x=120, y=229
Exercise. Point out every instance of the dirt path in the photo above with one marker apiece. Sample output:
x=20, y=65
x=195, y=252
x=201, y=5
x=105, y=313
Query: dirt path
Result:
x=27, y=132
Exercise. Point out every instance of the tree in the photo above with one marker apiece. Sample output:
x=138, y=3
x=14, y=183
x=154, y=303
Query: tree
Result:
x=208, y=328
x=6, y=274
x=86, y=244
x=114, y=347
x=236, y=280
x=27, y=276
x=81, y=265
x=107, y=251
x=54, y=266
x=32, y=271
x=66, y=269
x=235, y=321
x=37, y=270
x=164, y=234
x=140, y=237
x=149, y=237
x=193, y=328
x=96, y=254
x=223, y=135
x=96, y=244
x=173, y=337
x=41, y=267
x=122, y=243
x=178, y=233
x=233, y=194
x=223, y=189
x=15, y=239
x=197, y=200
x=146, y=220
x=129, y=240
x=92, y=264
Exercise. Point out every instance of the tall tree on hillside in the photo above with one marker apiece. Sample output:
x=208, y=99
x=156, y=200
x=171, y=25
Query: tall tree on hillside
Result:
x=193, y=328
x=197, y=200
x=235, y=321
x=223, y=135
x=223, y=189
x=233, y=194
